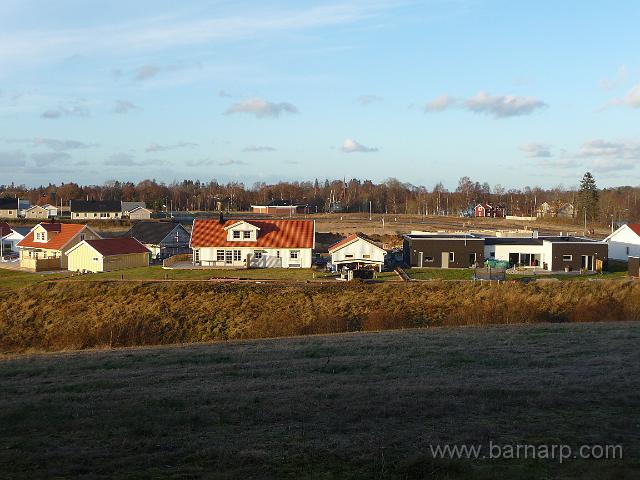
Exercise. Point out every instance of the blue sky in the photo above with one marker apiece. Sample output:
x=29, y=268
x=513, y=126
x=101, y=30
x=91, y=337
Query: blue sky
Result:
x=512, y=93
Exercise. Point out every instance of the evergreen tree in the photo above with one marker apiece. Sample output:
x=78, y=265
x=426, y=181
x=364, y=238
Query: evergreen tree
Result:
x=588, y=197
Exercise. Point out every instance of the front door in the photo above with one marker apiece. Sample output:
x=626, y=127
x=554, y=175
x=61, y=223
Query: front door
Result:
x=587, y=262
x=420, y=259
x=196, y=257
x=445, y=259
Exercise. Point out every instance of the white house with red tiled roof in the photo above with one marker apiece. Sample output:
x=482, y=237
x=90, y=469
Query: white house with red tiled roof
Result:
x=253, y=243
x=357, y=251
x=624, y=242
x=45, y=246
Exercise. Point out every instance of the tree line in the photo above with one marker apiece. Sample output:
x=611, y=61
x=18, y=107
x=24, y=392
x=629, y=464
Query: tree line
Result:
x=341, y=195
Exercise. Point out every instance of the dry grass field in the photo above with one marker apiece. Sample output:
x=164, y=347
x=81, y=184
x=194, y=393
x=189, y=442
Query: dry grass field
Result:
x=350, y=406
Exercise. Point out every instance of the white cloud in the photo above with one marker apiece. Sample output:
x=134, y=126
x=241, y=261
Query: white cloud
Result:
x=73, y=108
x=230, y=162
x=12, y=159
x=368, y=99
x=351, y=146
x=223, y=94
x=124, y=106
x=632, y=99
x=259, y=148
x=536, y=150
x=502, y=106
x=498, y=106
x=163, y=32
x=620, y=78
x=52, y=143
x=440, y=103
x=154, y=147
x=261, y=108
x=47, y=158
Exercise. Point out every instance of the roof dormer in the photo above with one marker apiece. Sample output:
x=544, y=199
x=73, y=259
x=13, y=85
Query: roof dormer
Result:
x=242, y=232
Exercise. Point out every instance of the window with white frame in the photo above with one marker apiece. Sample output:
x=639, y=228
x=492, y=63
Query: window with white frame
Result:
x=236, y=234
x=294, y=254
x=567, y=258
x=237, y=255
x=257, y=254
x=246, y=234
x=220, y=255
x=452, y=256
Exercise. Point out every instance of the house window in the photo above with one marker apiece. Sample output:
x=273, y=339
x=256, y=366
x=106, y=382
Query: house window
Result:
x=473, y=257
x=492, y=254
x=452, y=256
x=257, y=254
x=429, y=259
x=346, y=256
x=246, y=234
x=228, y=256
x=220, y=255
x=567, y=258
x=81, y=236
x=237, y=255
x=294, y=254
x=236, y=234
x=278, y=254
x=366, y=256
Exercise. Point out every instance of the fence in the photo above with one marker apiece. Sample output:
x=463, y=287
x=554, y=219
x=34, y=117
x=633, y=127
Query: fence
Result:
x=489, y=273
x=183, y=257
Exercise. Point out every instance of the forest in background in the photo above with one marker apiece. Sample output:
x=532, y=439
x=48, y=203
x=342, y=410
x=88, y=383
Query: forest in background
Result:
x=392, y=196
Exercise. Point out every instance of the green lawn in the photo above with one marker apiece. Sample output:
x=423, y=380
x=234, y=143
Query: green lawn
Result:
x=158, y=273
x=568, y=277
x=11, y=279
x=440, y=273
x=352, y=406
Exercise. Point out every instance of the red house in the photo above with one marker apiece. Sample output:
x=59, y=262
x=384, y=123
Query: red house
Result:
x=488, y=210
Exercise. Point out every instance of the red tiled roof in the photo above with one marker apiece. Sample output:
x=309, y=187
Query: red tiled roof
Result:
x=349, y=239
x=117, y=246
x=65, y=232
x=272, y=234
x=635, y=227
x=344, y=241
x=5, y=229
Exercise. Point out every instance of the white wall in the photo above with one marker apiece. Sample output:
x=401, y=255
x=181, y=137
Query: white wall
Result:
x=621, y=239
x=502, y=252
x=208, y=257
x=357, y=250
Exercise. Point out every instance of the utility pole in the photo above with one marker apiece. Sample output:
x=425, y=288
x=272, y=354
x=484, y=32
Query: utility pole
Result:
x=369, y=210
x=585, y=220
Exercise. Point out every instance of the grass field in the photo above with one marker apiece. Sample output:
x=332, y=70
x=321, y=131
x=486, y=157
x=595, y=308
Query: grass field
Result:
x=467, y=274
x=12, y=279
x=355, y=406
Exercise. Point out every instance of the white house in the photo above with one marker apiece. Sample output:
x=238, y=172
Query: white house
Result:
x=9, y=239
x=624, y=242
x=253, y=243
x=357, y=251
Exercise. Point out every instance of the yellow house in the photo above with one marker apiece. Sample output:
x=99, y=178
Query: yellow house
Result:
x=44, y=247
x=8, y=208
x=107, y=255
x=37, y=212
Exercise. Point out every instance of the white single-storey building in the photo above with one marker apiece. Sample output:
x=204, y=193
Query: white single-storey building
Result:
x=357, y=251
x=624, y=242
x=253, y=243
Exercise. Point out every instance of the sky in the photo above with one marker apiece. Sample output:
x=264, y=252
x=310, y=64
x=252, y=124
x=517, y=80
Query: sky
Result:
x=511, y=93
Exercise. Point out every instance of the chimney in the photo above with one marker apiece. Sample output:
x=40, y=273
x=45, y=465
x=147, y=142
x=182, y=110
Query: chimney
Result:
x=221, y=220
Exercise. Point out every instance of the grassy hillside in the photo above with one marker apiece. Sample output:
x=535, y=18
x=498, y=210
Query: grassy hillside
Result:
x=355, y=406
x=76, y=314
